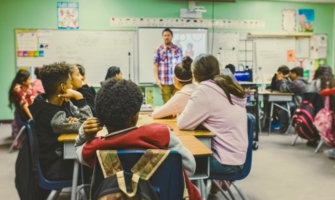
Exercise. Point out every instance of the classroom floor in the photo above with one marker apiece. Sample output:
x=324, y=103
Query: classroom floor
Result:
x=280, y=171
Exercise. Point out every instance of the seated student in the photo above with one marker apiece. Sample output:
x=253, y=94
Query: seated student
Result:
x=37, y=84
x=112, y=72
x=280, y=79
x=118, y=104
x=183, y=82
x=297, y=85
x=323, y=78
x=218, y=104
x=231, y=67
x=54, y=114
x=21, y=95
x=79, y=83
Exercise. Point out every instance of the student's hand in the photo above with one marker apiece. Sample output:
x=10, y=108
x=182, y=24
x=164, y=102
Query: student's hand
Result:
x=91, y=127
x=69, y=93
x=72, y=119
x=159, y=83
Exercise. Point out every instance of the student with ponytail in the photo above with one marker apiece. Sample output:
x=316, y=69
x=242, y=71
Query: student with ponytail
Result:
x=218, y=104
x=183, y=82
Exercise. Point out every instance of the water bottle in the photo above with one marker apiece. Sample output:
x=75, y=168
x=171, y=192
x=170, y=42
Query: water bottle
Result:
x=260, y=79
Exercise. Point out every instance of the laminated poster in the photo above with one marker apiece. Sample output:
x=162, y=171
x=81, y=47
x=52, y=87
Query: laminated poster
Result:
x=306, y=20
x=68, y=15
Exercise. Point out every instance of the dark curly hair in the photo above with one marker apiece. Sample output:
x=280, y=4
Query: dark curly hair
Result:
x=53, y=75
x=117, y=103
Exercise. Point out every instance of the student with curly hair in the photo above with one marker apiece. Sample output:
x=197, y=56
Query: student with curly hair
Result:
x=183, y=82
x=54, y=114
x=118, y=104
x=21, y=96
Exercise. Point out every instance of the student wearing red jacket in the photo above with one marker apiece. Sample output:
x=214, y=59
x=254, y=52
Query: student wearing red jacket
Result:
x=118, y=104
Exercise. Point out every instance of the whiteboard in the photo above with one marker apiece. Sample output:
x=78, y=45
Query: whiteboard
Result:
x=95, y=50
x=226, y=48
x=150, y=38
x=272, y=53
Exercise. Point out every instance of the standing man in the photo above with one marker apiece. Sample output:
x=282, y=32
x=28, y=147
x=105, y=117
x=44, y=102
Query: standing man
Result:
x=167, y=56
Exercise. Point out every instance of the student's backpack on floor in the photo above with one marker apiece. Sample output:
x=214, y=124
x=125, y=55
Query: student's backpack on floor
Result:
x=302, y=121
x=324, y=121
x=120, y=184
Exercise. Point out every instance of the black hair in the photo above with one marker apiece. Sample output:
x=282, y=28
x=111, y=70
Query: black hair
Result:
x=231, y=67
x=206, y=67
x=112, y=72
x=81, y=69
x=37, y=72
x=183, y=71
x=283, y=69
x=325, y=74
x=298, y=70
x=117, y=103
x=168, y=30
x=20, y=77
x=53, y=75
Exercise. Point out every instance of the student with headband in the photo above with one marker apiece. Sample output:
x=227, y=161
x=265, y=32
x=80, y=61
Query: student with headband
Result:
x=183, y=82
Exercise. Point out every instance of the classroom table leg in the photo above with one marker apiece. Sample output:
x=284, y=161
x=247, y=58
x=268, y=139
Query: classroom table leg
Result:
x=75, y=179
x=270, y=117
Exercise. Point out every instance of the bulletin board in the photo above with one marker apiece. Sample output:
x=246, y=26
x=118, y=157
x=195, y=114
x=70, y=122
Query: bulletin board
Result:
x=95, y=50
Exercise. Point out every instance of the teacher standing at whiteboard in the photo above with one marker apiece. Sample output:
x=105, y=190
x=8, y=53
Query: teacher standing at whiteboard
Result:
x=167, y=56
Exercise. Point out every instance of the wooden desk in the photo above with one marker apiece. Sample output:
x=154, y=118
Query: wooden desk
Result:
x=274, y=98
x=203, y=135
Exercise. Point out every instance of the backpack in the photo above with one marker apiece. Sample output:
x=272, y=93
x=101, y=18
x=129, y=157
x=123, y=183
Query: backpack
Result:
x=324, y=122
x=302, y=121
x=117, y=183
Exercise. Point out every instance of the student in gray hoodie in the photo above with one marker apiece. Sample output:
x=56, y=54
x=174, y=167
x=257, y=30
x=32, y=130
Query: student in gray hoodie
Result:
x=54, y=114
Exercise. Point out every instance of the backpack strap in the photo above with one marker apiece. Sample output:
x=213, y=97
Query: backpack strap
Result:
x=149, y=162
x=109, y=162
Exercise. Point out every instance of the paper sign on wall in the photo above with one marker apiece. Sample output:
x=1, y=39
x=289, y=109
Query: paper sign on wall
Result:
x=68, y=15
x=290, y=55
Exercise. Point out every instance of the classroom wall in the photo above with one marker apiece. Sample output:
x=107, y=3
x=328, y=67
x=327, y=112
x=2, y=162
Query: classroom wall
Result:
x=95, y=15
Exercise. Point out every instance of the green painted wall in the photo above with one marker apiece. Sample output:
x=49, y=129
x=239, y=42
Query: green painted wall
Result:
x=96, y=14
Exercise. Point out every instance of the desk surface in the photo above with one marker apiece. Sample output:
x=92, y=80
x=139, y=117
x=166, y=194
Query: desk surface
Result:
x=145, y=118
x=190, y=142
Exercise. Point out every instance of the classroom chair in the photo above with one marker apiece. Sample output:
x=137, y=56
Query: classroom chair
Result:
x=54, y=186
x=167, y=180
x=246, y=169
x=10, y=150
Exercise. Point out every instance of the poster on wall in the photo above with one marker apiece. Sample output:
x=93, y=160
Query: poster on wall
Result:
x=288, y=20
x=306, y=20
x=68, y=15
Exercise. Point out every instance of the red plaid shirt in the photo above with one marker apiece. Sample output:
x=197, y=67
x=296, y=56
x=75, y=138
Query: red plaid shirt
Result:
x=167, y=58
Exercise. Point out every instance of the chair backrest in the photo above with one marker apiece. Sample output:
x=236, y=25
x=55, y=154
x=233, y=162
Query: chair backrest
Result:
x=247, y=165
x=167, y=180
x=34, y=155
